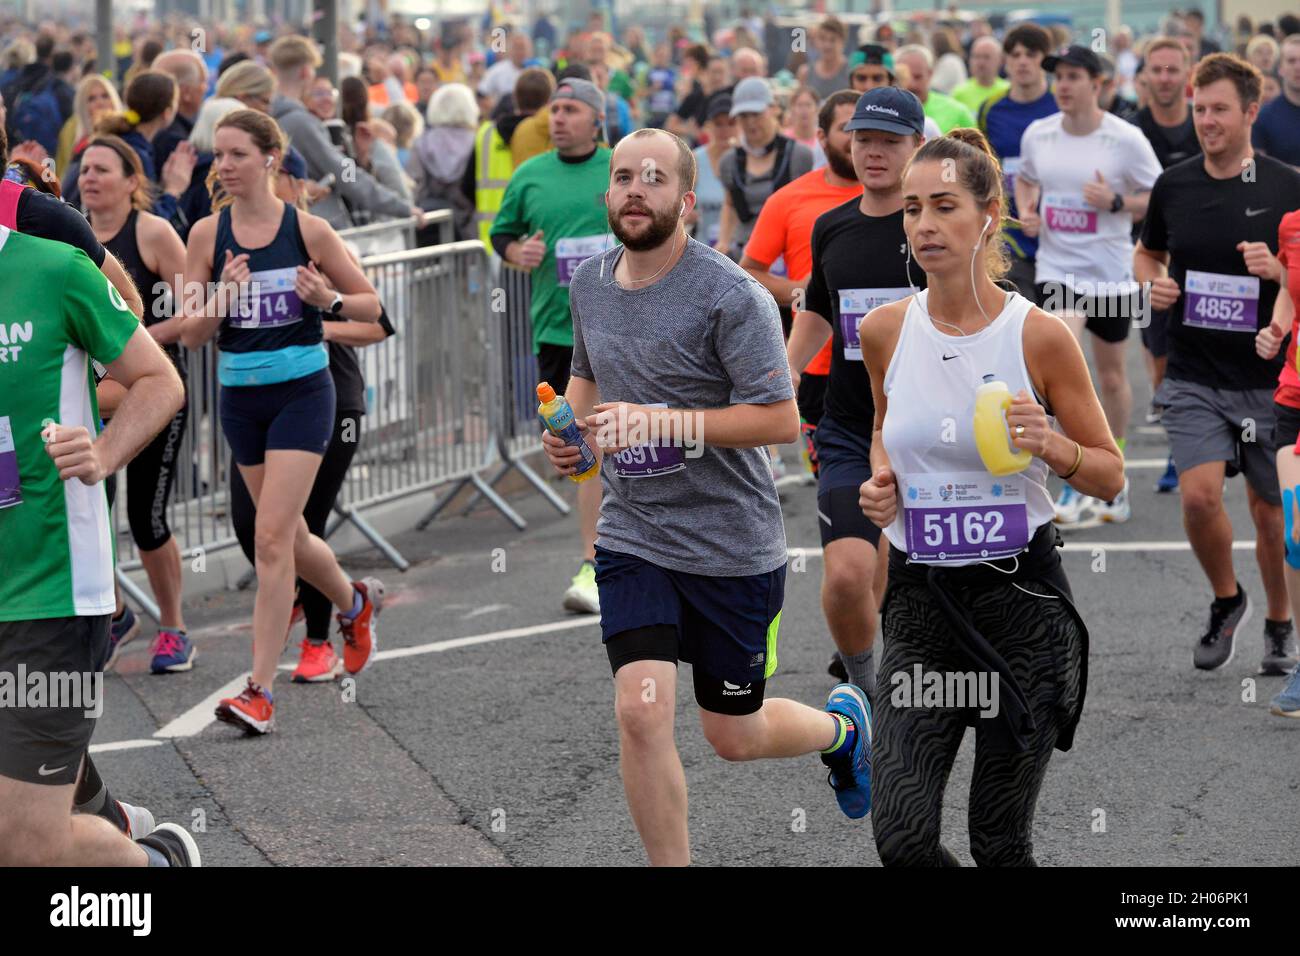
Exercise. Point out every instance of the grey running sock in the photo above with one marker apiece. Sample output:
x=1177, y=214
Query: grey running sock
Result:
x=861, y=668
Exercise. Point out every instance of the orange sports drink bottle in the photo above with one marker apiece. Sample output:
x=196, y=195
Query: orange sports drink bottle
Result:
x=992, y=399
x=557, y=415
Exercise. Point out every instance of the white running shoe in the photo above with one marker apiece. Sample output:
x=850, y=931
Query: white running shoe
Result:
x=583, y=596
x=1071, y=505
x=1117, y=511
x=139, y=821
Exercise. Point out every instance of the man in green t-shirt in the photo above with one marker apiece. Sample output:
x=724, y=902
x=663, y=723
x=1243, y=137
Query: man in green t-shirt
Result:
x=984, y=83
x=552, y=218
x=56, y=545
x=947, y=113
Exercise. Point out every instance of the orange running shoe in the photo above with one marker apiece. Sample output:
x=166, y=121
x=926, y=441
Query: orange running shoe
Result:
x=252, y=710
x=317, y=663
x=360, y=638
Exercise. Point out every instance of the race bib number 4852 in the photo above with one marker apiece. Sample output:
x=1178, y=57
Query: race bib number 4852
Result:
x=1224, y=302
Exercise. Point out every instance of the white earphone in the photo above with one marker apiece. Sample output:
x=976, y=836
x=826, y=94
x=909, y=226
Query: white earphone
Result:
x=269, y=160
x=682, y=210
x=987, y=220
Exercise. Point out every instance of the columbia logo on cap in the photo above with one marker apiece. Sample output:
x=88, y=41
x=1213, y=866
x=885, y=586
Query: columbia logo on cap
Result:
x=873, y=108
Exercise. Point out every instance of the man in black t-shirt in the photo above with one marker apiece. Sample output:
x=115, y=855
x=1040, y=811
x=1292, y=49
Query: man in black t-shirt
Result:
x=859, y=262
x=1208, y=249
x=1166, y=122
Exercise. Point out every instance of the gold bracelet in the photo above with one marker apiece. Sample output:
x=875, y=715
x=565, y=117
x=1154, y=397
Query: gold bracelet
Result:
x=1078, y=460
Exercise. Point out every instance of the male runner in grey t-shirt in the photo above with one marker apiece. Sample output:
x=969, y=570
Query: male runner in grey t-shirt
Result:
x=679, y=380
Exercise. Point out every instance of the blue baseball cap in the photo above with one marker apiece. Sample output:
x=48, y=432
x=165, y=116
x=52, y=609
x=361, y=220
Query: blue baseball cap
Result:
x=889, y=109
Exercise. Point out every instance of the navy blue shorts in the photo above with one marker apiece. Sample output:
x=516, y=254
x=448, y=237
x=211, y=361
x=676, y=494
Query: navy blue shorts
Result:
x=844, y=463
x=289, y=416
x=726, y=626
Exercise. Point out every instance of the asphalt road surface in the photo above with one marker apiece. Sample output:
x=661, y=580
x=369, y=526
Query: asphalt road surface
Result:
x=485, y=733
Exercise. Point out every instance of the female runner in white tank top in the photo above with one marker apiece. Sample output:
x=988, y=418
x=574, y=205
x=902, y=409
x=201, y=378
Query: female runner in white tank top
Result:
x=977, y=598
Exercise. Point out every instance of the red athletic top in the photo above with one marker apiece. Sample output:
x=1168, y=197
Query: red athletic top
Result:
x=1288, y=253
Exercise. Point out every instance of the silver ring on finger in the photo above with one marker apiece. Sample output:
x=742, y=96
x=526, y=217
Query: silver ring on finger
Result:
x=1020, y=431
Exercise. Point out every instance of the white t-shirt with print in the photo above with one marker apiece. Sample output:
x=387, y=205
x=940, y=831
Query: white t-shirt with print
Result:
x=1078, y=242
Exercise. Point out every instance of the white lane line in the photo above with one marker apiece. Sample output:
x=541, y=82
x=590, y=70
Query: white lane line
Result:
x=1087, y=546
x=1135, y=464
x=201, y=714
x=124, y=745
x=197, y=718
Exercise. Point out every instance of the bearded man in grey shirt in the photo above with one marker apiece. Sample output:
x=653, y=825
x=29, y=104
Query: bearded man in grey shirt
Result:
x=679, y=381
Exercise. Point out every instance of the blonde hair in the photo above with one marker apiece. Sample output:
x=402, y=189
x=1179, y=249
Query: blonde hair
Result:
x=267, y=137
x=291, y=52
x=246, y=79
x=406, y=121
x=979, y=173
x=81, y=102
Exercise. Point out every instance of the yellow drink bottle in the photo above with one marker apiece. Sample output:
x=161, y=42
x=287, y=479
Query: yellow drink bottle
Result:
x=557, y=416
x=992, y=399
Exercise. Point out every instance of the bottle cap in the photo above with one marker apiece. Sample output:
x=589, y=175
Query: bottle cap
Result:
x=545, y=393
x=988, y=377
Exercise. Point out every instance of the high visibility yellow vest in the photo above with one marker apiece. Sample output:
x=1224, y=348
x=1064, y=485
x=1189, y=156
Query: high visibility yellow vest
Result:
x=493, y=168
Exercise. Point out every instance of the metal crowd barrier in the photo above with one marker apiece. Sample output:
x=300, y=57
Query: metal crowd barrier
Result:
x=395, y=235
x=448, y=397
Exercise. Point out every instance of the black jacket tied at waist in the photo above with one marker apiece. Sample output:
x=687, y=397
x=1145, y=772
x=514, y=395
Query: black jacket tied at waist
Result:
x=1039, y=562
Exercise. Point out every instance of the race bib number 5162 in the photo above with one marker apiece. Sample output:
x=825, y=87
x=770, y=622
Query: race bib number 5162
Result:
x=961, y=516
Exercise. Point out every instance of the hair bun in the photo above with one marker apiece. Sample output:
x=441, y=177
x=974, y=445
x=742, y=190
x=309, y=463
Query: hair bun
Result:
x=972, y=137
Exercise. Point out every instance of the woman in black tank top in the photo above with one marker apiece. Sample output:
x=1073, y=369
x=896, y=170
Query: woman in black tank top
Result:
x=264, y=277
x=115, y=191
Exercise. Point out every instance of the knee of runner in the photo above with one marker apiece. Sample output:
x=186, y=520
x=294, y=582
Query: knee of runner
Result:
x=847, y=580
x=728, y=739
x=1202, y=502
x=272, y=546
x=643, y=720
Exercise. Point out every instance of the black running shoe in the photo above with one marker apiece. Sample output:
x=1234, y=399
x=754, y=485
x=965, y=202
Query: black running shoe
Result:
x=1217, y=645
x=175, y=843
x=837, y=669
x=1279, y=649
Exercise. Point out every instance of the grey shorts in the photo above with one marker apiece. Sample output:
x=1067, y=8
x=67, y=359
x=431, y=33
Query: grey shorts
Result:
x=1215, y=424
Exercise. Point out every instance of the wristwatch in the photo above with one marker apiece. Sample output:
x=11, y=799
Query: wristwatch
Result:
x=1117, y=203
x=337, y=305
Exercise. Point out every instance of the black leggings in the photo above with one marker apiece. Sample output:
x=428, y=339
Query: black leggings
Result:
x=913, y=748
x=149, y=479
x=316, y=607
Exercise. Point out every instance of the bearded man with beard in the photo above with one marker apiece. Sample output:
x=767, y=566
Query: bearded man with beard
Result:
x=679, y=379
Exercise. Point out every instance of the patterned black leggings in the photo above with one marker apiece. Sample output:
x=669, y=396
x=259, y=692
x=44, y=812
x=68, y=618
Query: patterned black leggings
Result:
x=914, y=747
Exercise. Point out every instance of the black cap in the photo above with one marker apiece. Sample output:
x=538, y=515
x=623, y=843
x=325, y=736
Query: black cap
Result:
x=717, y=104
x=1074, y=56
x=890, y=109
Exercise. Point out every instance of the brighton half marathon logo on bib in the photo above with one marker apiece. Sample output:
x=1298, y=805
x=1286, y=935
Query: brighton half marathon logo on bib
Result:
x=10, y=491
x=854, y=305
x=1215, y=301
x=1064, y=213
x=650, y=459
x=574, y=251
x=957, y=517
x=269, y=299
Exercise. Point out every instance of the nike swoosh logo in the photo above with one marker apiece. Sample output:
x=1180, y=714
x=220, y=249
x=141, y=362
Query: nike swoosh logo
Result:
x=45, y=773
x=1256, y=212
x=947, y=357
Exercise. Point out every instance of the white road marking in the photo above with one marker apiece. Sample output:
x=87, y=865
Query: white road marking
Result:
x=1087, y=546
x=485, y=609
x=124, y=745
x=201, y=714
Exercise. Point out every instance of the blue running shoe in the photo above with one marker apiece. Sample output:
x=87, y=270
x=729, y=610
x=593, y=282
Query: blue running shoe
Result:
x=850, y=775
x=120, y=632
x=1169, y=480
x=1287, y=703
x=173, y=652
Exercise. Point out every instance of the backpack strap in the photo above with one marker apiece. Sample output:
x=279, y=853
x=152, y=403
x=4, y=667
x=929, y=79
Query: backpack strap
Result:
x=737, y=185
x=10, y=192
x=784, y=157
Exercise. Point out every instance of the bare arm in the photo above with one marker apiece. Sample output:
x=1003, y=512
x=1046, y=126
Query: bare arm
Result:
x=1060, y=374
x=164, y=255
x=360, y=301
x=356, y=334
x=808, y=334
x=736, y=426
x=782, y=289
x=1027, y=193
x=115, y=274
x=726, y=225
x=200, y=317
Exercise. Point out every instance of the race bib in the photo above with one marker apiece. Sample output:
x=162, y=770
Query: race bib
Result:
x=962, y=516
x=268, y=300
x=574, y=251
x=1214, y=301
x=10, y=492
x=856, y=303
x=650, y=460
x=778, y=268
x=1064, y=213
x=1010, y=167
